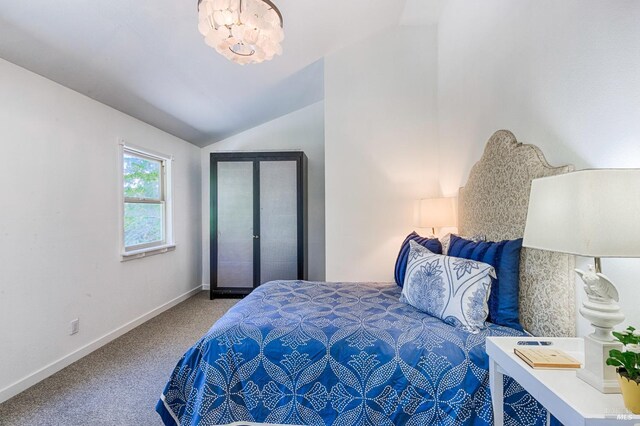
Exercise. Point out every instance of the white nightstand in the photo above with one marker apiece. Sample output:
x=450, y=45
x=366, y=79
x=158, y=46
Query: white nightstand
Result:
x=564, y=395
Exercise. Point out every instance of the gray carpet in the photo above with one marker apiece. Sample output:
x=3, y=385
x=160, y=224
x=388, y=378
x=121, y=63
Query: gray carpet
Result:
x=120, y=383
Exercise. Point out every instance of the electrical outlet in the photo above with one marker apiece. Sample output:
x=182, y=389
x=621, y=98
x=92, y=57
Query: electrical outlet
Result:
x=74, y=327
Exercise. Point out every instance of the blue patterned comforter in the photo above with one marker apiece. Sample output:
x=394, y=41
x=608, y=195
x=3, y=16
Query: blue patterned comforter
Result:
x=342, y=354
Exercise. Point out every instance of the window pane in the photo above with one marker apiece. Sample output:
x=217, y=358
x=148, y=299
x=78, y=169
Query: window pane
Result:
x=141, y=177
x=142, y=223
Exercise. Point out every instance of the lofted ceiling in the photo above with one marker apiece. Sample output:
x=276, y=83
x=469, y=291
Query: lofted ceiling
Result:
x=146, y=57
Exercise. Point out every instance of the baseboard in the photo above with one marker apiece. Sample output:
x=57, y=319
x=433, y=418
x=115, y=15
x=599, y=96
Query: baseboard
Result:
x=206, y=287
x=30, y=380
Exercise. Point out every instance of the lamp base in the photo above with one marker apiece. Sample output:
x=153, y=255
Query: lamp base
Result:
x=595, y=372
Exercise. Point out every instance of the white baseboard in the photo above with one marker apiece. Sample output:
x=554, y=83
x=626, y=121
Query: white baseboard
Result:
x=206, y=287
x=30, y=380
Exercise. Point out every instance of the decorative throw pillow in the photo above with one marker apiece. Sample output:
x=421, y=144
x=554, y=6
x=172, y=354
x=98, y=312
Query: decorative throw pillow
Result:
x=432, y=244
x=446, y=241
x=452, y=289
x=504, y=256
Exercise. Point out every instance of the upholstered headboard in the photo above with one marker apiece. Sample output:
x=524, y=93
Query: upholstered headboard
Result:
x=494, y=203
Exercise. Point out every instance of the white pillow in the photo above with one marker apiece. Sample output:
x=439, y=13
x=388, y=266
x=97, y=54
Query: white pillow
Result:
x=450, y=288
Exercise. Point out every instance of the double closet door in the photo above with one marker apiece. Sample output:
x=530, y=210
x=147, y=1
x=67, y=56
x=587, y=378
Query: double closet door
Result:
x=258, y=220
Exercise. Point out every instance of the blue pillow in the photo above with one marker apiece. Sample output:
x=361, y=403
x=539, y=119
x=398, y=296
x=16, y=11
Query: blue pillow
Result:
x=504, y=256
x=431, y=244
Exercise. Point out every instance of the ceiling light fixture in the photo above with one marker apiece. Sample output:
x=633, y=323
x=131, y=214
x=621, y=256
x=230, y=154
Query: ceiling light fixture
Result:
x=243, y=31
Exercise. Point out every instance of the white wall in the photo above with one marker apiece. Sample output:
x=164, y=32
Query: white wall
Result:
x=381, y=148
x=302, y=130
x=564, y=75
x=59, y=227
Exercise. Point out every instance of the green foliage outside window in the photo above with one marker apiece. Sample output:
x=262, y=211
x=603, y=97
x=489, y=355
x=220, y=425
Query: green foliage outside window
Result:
x=141, y=178
x=143, y=221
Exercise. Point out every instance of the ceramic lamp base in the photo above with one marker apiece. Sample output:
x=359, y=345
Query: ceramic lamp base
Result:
x=596, y=372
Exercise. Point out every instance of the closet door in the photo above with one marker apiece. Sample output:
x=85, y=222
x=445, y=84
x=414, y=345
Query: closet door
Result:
x=258, y=220
x=234, y=208
x=278, y=220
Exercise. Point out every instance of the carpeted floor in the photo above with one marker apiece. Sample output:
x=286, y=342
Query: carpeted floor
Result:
x=120, y=383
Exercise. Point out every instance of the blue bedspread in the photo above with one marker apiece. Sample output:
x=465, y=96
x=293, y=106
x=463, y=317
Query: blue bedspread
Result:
x=338, y=354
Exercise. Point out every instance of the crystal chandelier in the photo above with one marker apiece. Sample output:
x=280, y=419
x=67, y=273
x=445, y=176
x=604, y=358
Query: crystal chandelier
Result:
x=243, y=31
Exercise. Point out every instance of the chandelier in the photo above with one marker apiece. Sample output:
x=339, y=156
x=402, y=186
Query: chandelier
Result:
x=243, y=31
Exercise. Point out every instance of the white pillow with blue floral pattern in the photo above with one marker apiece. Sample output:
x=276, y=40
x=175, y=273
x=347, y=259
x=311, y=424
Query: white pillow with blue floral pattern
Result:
x=450, y=288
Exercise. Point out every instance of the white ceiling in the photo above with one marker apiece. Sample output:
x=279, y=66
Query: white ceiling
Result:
x=147, y=59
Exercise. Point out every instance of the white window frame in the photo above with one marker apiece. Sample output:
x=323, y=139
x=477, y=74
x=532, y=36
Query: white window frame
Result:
x=167, y=244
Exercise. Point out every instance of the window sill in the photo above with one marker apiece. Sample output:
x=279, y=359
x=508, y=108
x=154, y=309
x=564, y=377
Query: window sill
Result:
x=146, y=252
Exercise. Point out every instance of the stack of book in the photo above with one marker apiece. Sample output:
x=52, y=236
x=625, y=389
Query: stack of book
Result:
x=547, y=358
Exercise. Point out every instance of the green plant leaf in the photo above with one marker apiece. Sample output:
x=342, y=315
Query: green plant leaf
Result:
x=615, y=362
x=615, y=353
x=626, y=359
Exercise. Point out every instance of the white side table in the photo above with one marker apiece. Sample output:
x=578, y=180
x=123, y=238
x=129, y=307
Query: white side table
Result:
x=564, y=395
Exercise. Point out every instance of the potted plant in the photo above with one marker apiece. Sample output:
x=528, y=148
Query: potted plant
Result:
x=628, y=367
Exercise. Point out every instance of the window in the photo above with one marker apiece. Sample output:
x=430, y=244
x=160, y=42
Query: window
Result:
x=147, y=209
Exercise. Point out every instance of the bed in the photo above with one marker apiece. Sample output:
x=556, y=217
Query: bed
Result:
x=313, y=353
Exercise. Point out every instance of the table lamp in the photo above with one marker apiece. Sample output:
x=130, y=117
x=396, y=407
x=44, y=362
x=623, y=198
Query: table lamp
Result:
x=437, y=213
x=591, y=213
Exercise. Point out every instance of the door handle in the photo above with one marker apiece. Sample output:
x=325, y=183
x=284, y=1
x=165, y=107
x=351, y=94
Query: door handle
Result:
x=256, y=236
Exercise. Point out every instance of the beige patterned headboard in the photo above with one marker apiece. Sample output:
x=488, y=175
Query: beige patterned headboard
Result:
x=494, y=203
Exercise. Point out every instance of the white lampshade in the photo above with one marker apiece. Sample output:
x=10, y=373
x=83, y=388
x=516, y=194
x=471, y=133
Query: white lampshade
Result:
x=437, y=213
x=592, y=213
